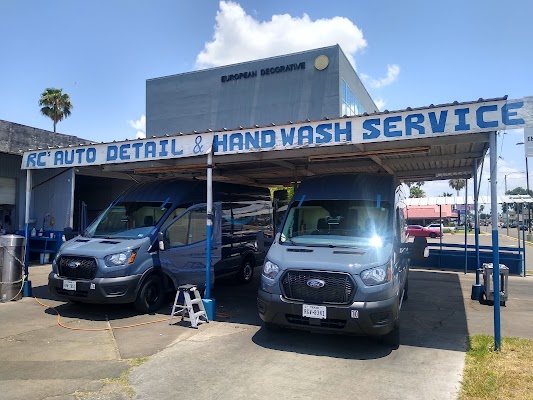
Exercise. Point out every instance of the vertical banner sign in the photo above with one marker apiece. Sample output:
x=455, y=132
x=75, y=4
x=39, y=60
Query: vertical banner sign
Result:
x=528, y=141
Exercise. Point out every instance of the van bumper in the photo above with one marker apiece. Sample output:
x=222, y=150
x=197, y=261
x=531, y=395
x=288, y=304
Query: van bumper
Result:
x=360, y=318
x=99, y=290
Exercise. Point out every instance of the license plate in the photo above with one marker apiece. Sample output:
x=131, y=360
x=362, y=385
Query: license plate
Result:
x=69, y=285
x=312, y=311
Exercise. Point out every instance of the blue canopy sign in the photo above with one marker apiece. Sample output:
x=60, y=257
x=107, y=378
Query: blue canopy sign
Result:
x=119, y=152
x=456, y=119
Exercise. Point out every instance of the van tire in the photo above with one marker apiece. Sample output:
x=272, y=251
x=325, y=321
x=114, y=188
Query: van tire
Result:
x=246, y=271
x=151, y=295
x=393, y=337
x=270, y=327
x=406, y=290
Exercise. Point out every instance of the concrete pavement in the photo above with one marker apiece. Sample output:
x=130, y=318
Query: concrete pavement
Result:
x=234, y=357
x=241, y=360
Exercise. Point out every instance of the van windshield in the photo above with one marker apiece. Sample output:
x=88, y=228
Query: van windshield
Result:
x=343, y=223
x=128, y=220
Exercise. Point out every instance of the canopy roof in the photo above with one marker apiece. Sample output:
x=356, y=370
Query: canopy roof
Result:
x=429, y=143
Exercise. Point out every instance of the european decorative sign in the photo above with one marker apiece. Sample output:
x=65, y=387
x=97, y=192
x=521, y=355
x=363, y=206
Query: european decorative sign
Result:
x=263, y=71
x=429, y=122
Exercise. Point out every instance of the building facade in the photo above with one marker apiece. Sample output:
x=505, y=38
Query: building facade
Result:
x=308, y=85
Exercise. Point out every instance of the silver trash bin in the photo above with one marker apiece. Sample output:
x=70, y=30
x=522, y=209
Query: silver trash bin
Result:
x=488, y=282
x=12, y=260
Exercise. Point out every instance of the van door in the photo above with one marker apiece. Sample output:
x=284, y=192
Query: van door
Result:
x=185, y=244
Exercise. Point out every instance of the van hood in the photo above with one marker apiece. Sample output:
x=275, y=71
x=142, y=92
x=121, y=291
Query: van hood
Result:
x=343, y=259
x=99, y=247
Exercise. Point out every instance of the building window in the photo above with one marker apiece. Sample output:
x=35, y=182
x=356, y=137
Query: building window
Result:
x=350, y=105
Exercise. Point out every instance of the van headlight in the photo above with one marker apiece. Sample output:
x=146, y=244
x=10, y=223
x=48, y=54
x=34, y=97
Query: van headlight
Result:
x=118, y=259
x=270, y=270
x=377, y=275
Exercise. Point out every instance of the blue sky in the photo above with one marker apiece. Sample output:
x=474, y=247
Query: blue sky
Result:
x=410, y=53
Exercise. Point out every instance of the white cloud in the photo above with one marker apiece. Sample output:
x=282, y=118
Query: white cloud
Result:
x=140, y=125
x=393, y=70
x=380, y=104
x=240, y=37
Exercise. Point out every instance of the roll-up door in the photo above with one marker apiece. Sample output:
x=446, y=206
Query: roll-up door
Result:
x=7, y=190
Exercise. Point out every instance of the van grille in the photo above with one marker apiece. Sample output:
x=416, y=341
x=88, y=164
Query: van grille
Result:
x=77, y=267
x=339, y=288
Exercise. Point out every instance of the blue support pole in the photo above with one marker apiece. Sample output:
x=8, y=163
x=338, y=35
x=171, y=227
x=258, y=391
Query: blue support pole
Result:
x=209, y=303
x=477, y=289
x=523, y=228
x=495, y=245
x=27, y=290
x=466, y=225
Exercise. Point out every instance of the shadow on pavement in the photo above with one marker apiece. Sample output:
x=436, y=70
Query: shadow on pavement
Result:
x=433, y=317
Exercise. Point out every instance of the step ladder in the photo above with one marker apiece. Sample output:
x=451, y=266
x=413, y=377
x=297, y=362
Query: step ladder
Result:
x=188, y=305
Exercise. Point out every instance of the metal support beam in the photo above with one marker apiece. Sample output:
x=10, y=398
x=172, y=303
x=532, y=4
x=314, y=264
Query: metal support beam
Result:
x=476, y=288
x=378, y=161
x=27, y=292
x=466, y=226
x=495, y=245
x=209, y=303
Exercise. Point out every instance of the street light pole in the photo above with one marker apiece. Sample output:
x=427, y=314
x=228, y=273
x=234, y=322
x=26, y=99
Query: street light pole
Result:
x=506, y=208
x=528, y=205
x=505, y=180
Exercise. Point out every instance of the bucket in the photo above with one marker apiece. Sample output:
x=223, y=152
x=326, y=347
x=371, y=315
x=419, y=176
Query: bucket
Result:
x=44, y=258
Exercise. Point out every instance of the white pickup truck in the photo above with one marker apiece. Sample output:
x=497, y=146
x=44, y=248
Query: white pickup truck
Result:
x=439, y=226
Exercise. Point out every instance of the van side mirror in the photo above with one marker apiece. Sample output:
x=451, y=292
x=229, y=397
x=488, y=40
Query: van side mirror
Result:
x=417, y=250
x=263, y=243
x=161, y=240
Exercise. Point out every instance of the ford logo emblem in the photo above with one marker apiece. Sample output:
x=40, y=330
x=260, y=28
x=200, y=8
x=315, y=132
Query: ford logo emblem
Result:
x=74, y=264
x=316, y=283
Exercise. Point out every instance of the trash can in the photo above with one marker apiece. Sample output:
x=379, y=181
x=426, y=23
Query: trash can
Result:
x=488, y=283
x=12, y=260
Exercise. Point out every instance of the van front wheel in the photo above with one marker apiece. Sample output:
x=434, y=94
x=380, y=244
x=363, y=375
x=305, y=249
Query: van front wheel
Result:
x=151, y=295
x=246, y=272
x=393, y=337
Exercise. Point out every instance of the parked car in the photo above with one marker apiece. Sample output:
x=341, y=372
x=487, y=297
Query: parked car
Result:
x=419, y=230
x=439, y=226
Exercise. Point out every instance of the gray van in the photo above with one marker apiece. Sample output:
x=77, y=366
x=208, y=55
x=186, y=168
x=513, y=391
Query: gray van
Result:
x=338, y=262
x=153, y=239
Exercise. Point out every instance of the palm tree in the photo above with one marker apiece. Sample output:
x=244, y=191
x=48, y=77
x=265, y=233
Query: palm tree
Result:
x=55, y=104
x=457, y=184
x=416, y=192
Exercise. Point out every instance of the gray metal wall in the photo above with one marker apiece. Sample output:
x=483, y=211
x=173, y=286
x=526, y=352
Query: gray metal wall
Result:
x=10, y=168
x=200, y=100
x=52, y=194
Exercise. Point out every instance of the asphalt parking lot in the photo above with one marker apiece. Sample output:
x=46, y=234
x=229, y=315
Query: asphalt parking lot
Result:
x=234, y=357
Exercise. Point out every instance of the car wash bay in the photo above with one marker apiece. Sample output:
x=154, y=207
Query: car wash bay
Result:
x=239, y=359
x=437, y=142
